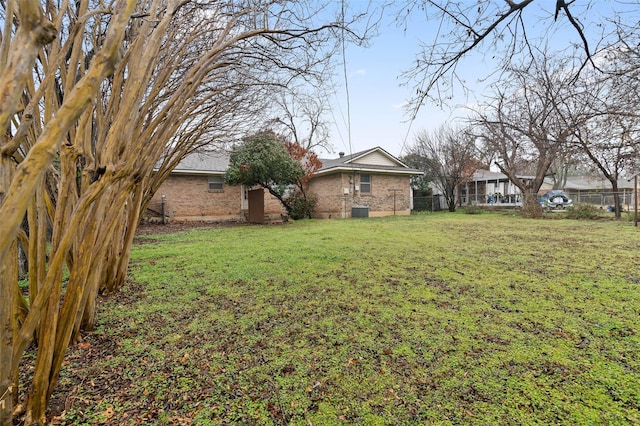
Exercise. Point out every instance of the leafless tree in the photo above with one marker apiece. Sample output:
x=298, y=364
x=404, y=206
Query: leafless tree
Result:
x=117, y=102
x=27, y=150
x=449, y=159
x=505, y=31
x=523, y=123
x=301, y=117
x=602, y=112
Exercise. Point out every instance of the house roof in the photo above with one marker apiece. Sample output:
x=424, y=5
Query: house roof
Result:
x=590, y=183
x=374, y=160
x=485, y=175
x=203, y=163
x=482, y=174
x=574, y=183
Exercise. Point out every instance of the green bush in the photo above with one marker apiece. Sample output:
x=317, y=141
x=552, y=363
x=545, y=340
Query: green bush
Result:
x=532, y=210
x=583, y=211
x=472, y=209
x=301, y=206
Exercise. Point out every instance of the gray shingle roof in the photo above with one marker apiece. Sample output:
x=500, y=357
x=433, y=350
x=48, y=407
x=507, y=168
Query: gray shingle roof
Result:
x=350, y=162
x=210, y=162
x=206, y=162
x=581, y=183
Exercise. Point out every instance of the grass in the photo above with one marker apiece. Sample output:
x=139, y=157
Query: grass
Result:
x=429, y=319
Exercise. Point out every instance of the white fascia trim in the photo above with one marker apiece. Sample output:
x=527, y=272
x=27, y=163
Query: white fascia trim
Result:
x=197, y=172
x=355, y=168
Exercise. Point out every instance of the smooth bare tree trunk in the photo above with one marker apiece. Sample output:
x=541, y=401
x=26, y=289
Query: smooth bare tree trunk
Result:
x=16, y=65
x=24, y=190
x=8, y=317
x=103, y=138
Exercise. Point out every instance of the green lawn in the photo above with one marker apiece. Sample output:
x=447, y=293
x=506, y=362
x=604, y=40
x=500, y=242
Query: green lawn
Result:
x=429, y=319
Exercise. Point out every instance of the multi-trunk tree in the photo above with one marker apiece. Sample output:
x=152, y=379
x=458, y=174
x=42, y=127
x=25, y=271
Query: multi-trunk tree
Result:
x=522, y=124
x=602, y=111
x=101, y=116
x=37, y=123
x=448, y=156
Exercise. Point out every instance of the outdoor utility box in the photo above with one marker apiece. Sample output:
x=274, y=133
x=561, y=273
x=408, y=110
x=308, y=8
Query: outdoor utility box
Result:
x=359, y=211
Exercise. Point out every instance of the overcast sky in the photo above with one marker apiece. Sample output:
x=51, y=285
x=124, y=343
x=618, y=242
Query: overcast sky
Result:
x=376, y=97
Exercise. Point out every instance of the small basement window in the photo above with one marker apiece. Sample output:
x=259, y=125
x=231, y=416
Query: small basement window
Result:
x=216, y=183
x=365, y=184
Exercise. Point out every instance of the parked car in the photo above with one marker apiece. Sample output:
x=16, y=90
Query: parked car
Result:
x=555, y=199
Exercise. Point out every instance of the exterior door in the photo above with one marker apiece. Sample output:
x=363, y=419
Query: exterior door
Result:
x=256, y=206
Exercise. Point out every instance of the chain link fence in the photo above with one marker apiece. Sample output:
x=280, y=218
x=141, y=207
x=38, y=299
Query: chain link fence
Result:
x=602, y=199
x=429, y=203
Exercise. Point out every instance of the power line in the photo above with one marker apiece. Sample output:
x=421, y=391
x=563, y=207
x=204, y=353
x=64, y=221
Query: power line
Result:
x=346, y=81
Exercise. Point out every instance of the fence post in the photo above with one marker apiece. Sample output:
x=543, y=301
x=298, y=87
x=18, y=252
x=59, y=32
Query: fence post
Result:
x=635, y=200
x=164, y=214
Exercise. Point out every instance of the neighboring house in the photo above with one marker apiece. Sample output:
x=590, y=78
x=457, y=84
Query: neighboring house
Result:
x=594, y=190
x=487, y=187
x=195, y=191
x=369, y=183
x=493, y=188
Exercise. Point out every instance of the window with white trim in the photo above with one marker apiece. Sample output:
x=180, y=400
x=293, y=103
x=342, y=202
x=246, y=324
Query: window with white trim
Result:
x=216, y=183
x=365, y=184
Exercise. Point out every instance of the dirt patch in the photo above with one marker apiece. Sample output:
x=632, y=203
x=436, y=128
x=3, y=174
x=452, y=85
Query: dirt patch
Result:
x=168, y=228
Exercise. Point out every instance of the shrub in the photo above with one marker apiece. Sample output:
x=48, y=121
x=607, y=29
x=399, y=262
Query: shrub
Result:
x=473, y=209
x=301, y=206
x=532, y=210
x=583, y=211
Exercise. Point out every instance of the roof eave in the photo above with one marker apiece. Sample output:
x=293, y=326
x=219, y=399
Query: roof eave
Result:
x=196, y=172
x=354, y=168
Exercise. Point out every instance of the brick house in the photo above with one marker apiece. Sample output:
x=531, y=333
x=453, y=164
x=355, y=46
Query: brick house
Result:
x=371, y=183
x=195, y=191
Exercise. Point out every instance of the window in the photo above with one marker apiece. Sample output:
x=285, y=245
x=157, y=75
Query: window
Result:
x=365, y=184
x=216, y=183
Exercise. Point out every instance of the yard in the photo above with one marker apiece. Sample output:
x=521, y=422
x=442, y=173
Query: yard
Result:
x=428, y=319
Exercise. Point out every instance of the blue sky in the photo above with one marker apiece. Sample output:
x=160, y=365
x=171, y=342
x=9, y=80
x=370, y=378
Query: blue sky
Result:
x=376, y=96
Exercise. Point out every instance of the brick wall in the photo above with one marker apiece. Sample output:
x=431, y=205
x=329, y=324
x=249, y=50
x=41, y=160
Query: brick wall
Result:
x=273, y=207
x=332, y=202
x=189, y=198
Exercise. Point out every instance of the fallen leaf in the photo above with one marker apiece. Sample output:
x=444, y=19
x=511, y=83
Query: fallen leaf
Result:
x=109, y=412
